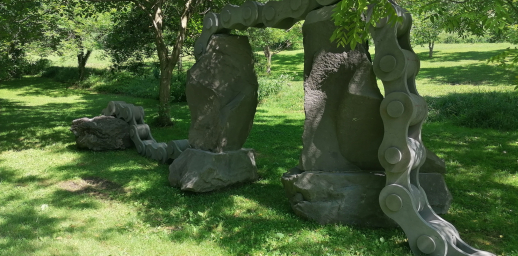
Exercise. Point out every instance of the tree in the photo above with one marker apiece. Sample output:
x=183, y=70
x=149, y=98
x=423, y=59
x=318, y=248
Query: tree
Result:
x=21, y=22
x=354, y=17
x=157, y=12
x=169, y=38
x=425, y=32
x=80, y=27
x=273, y=41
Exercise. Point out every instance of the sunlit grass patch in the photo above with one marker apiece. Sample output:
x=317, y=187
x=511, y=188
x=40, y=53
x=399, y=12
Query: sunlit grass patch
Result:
x=58, y=200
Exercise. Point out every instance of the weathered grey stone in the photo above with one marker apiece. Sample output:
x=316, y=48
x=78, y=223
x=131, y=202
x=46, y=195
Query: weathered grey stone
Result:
x=222, y=95
x=202, y=171
x=343, y=128
x=439, y=197
x=101, y=133
x=337, y=197
x=433, y=164
x=351, y=198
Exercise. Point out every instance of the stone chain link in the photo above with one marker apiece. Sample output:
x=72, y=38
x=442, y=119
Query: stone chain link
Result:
x=401, y=152
x=140, y=133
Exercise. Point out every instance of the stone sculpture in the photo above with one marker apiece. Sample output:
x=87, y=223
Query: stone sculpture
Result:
x=222, y=96
x=342, y=153
x=101, y=133
x=362, y=152
x=140, y=134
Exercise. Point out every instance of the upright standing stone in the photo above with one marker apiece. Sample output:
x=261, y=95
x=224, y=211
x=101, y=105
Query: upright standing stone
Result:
x=222, y=96
x=343, y=128
x=339, y=177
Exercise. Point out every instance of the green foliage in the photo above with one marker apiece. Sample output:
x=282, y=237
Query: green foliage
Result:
x=507, y=59
x=21, y=66
x=142, y=82
x=489, y=110
x=131, y=40
x=353, y=19
x=424, y=31
x=271, y=85
x=277, y=39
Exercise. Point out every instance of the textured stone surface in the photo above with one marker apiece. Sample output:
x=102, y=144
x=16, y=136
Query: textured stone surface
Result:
x=337, y=197
x=439, y=197
x=222, y=95
x=433, y=164
x=101, y=133
x=202, y=171
x=343, y=128
x=352, y=198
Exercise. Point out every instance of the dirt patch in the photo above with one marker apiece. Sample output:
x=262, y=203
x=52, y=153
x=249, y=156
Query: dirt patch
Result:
x=91, y=185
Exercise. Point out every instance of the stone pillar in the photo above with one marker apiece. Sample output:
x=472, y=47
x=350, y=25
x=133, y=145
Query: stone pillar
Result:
x=339, y=176
x=222, y=97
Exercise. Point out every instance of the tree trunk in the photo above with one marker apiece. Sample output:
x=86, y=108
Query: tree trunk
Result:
x=430, y=47
x=82, y=58
x=164, y=109
x=168, y=62
x=268, y=55
x=15, y=55
x=180, y=65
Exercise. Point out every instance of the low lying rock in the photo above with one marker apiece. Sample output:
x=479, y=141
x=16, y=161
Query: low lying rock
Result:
x=351, y=198
x=203, y=171
x=101, y=133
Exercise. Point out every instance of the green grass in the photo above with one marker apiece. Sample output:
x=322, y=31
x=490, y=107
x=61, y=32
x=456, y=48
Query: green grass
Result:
x=58, y=200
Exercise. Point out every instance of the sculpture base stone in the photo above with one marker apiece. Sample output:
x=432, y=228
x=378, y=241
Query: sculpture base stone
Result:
x=203, y=171
x=349, y=198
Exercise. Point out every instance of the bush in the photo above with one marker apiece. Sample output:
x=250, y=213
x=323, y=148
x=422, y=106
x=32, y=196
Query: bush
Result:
x=178, y=83
x=271, y=85
x=21, y=67
x=494, y=110
x=451, y=38
x=62, y=74
x=142, y=86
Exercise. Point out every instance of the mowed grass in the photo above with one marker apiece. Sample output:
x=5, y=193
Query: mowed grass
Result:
x=57, y=200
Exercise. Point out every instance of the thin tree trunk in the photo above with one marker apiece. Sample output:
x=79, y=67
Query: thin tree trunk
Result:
x=168, y=62
x=268, y=55
x=180, y=65
x=430, y=47
x=82, y=58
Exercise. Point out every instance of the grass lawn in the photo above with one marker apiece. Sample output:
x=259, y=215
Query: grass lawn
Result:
x=57, y=200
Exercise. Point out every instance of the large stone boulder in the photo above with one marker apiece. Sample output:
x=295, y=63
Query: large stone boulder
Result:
x=343, y=128
x=437, y=193
x=101, y=133
x=202, y=171
x=337, y=197
x=222, y=95
x=433, y=164
x=339, y=177
x=351, y=198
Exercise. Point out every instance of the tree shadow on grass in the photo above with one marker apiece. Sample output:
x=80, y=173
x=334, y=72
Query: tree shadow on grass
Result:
x=26, y=126
x=250, y=217
x=478, y=164
x=289, y=64
x=472, y=74
x=439, y=56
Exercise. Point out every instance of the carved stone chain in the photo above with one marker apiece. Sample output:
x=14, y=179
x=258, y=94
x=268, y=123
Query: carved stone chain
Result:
x=402, y=152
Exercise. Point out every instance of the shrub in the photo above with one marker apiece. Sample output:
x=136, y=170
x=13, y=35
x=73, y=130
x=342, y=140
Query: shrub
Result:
x=178, y=83
x=271, y=85
x=20, y=67
x=495, y=110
